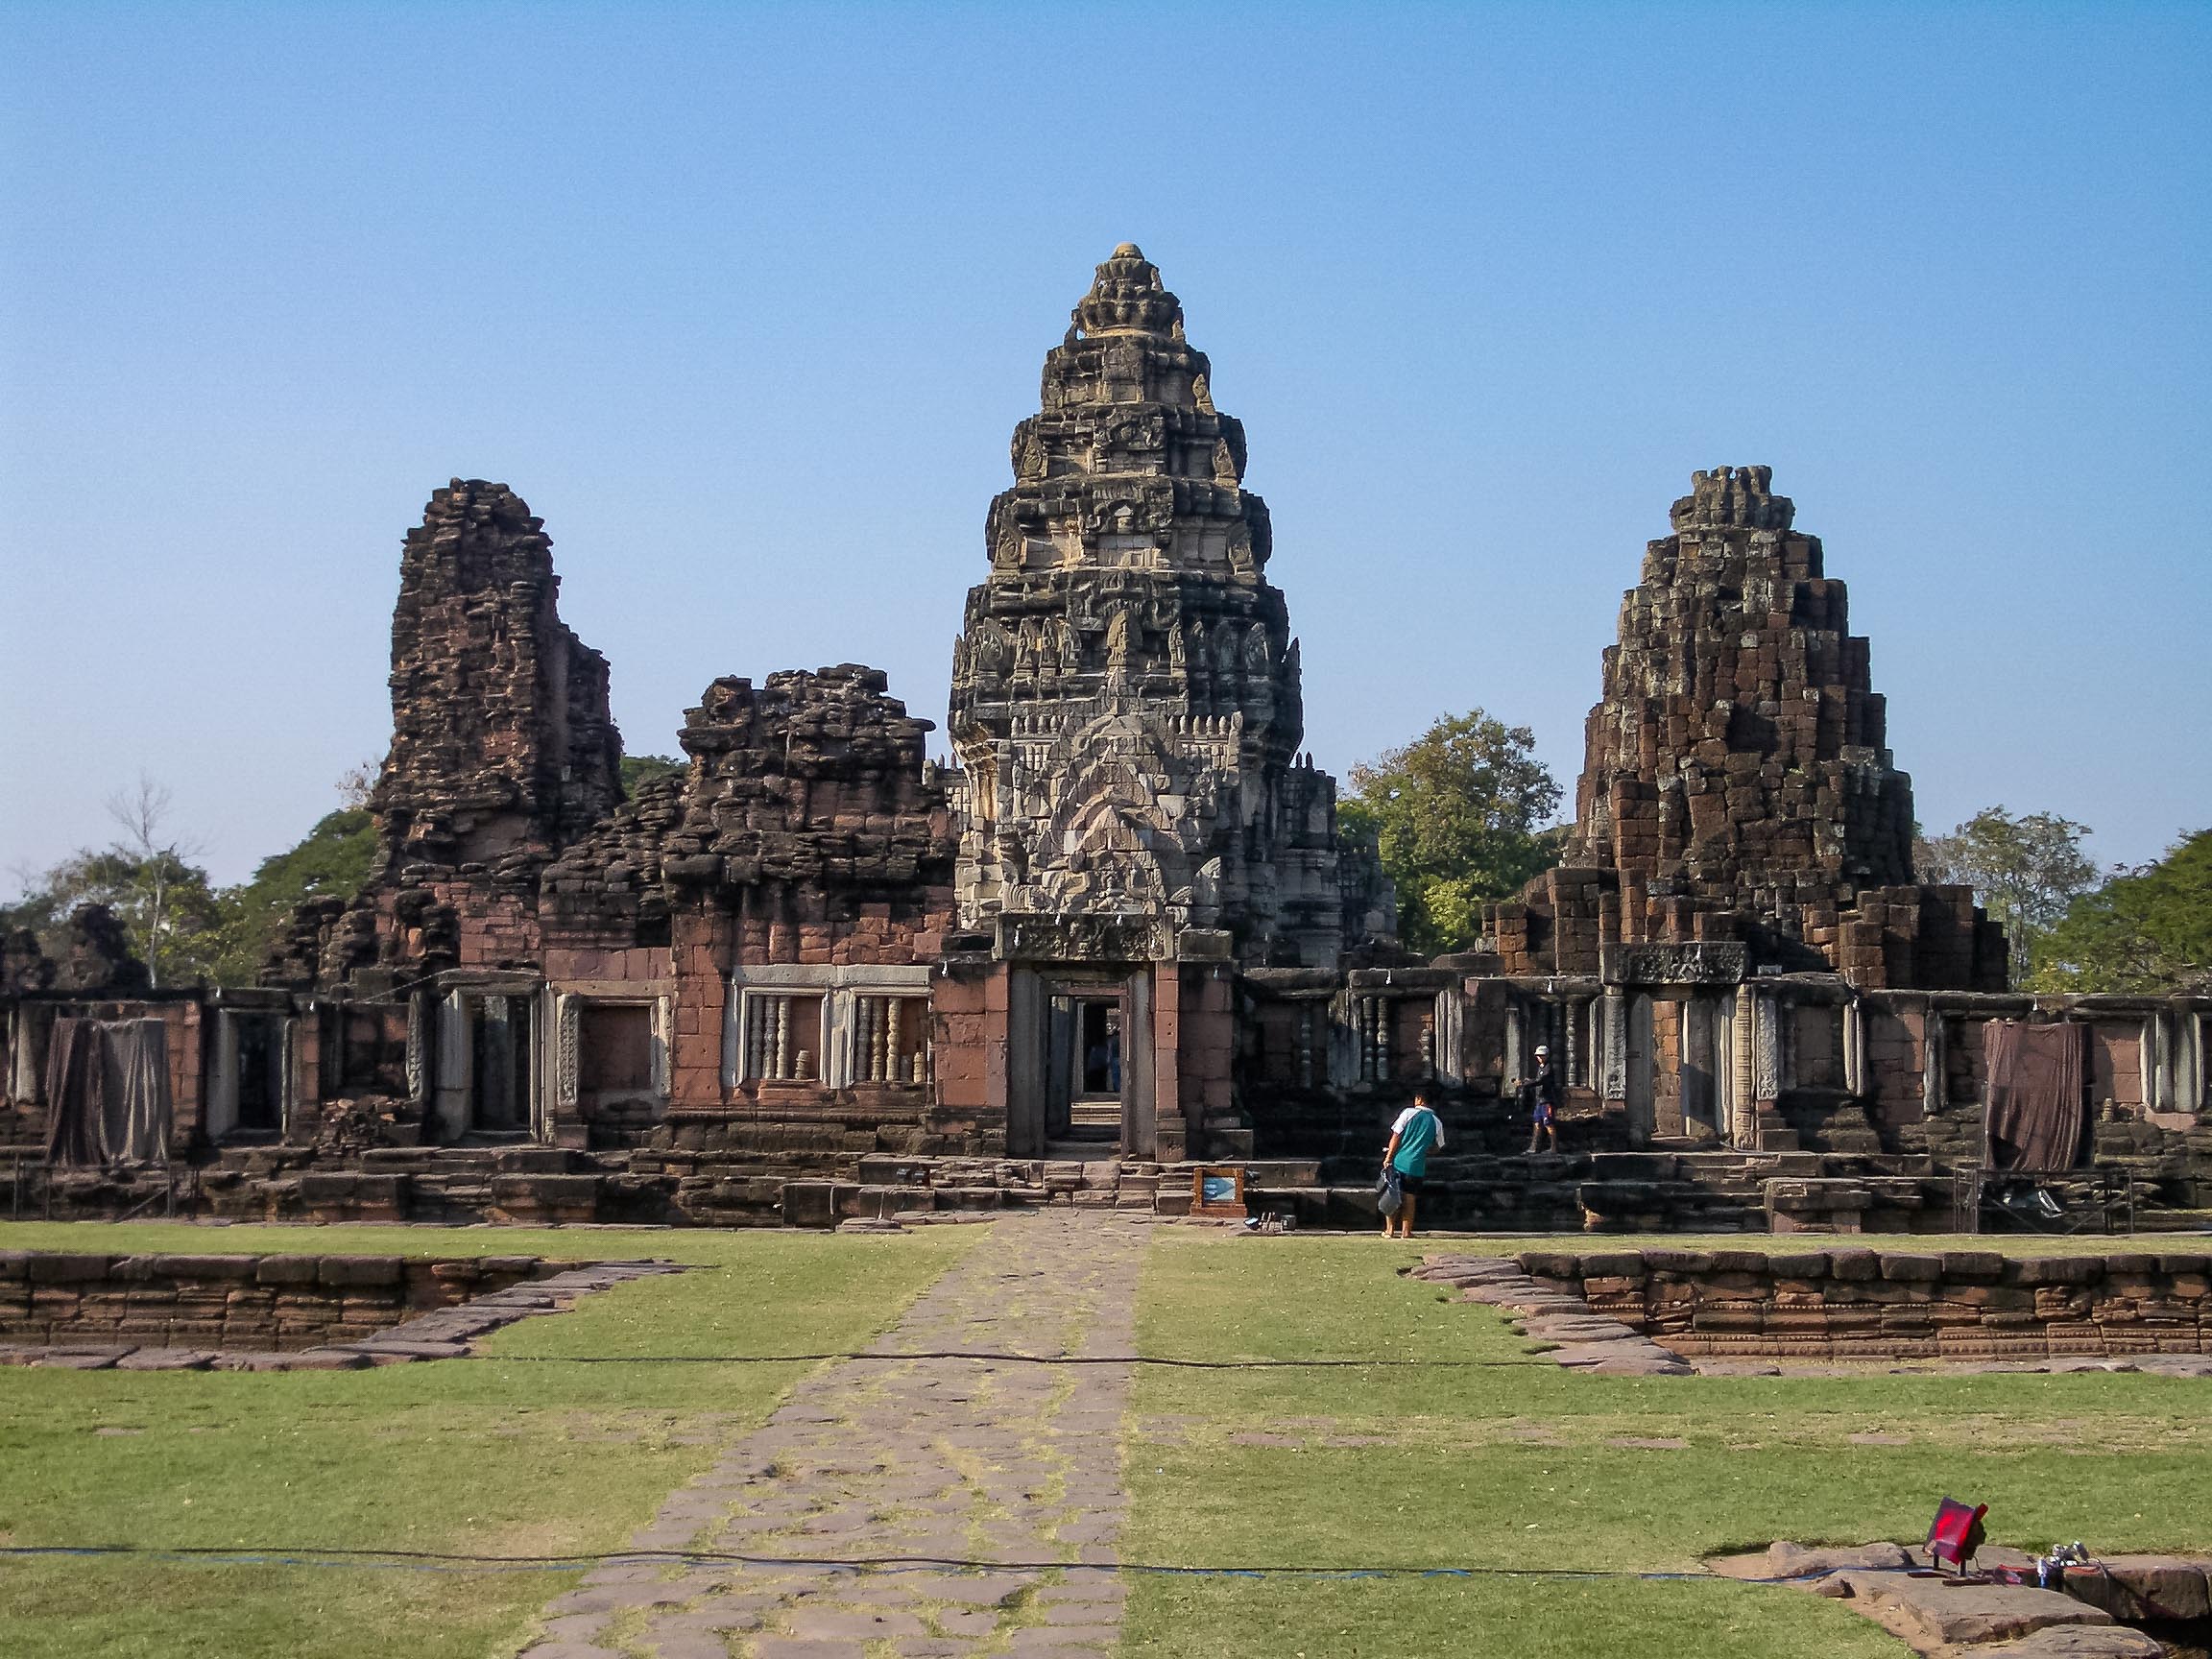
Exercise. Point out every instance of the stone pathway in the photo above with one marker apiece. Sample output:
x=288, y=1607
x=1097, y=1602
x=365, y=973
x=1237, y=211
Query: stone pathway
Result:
x=998, y=1462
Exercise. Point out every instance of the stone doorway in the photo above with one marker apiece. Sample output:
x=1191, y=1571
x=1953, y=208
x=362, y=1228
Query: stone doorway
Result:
x=1083, y=1069
x=1079, y=1071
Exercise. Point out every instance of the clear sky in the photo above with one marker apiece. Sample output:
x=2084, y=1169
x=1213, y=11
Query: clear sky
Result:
x=747, y=302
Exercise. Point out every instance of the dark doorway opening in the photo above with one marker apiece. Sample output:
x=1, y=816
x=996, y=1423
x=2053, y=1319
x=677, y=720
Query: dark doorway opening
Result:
x=501, y=1073
x=260, y=1091
x=1083, y=1069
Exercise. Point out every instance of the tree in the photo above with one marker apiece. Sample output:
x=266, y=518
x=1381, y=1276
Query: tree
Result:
x=163, y=893
x=2024, y=871
x=1456, y=816
x=332, y=858
x=161, y=867
x=637, y=769
x=2147, y=930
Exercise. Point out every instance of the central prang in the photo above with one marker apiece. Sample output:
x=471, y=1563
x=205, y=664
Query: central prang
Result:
x=1125, y=702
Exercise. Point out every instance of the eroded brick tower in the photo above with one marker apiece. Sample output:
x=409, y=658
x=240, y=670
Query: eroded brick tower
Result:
x=1736, y=785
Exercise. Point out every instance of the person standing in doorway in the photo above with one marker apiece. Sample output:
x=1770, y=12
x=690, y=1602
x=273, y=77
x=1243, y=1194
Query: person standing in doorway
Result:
x=1417, y=1133
x=1540, y=1094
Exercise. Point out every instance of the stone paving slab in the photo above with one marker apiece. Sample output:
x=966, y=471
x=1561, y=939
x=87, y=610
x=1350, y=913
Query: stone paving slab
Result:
x=917, y=1467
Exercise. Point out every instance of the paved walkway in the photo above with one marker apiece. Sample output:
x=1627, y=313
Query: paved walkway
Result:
x=950, y=1459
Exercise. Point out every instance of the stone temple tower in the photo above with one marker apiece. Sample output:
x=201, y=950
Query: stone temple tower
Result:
x=1126, y=702
x=1737, y=786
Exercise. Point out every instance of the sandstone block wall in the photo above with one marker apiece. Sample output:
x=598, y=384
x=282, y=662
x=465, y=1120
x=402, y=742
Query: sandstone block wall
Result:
x=240, y=1302
x=1891, y=1305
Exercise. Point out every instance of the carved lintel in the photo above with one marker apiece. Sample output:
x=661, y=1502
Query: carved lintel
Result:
x=1707, y=961
x=1105, y=938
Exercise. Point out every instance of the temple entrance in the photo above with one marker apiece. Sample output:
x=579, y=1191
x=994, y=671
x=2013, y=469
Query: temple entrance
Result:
x=1080, y=1063
x=1083, y=1069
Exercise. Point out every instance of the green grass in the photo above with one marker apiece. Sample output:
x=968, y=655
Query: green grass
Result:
x=507, y=1455
x=1515, y=1463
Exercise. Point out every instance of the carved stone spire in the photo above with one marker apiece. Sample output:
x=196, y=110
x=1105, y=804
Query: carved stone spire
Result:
x=1125, y=696
x=1735, y=786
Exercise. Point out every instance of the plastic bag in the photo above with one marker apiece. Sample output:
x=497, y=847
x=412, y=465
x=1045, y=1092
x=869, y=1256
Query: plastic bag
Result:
x=1390, y=1191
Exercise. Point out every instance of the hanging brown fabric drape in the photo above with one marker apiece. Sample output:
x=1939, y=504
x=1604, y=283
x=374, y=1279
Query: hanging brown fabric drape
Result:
x=138, y=1091
x=76, y=1093
x=107, y=1091
x=2033, y=1111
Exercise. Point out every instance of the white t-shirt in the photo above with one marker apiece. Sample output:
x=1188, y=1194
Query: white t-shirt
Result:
x=1406, y=1116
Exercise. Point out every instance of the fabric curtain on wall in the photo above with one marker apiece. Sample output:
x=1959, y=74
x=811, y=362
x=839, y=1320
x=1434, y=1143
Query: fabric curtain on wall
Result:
x=76, y=1093
x=107, y=1091
x=2033, y=1113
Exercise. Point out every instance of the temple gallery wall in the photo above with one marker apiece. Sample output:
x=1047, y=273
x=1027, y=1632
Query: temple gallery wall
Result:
x=813, y=974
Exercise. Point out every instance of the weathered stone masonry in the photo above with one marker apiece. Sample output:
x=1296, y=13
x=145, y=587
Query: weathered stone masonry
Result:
x=815, y=975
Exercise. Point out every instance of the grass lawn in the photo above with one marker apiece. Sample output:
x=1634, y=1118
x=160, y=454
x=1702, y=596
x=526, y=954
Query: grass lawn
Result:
x=1519, y=1464
x=507, y=1455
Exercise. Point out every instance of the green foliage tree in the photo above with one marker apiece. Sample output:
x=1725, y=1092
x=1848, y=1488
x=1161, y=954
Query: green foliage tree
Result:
x=182, y=927
x=637, y=769
x=332, y=858
x=169, y=912
x=2024, y=871
x=2147, y=930
x=1456, y=816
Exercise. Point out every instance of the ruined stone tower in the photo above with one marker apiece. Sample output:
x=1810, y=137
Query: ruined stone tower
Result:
x=1735, y=786
x=502, y=746
x=503, y=752
x=1125, y=700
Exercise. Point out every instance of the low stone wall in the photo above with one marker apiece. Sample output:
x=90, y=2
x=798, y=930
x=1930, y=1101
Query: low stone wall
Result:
x=235, y=1302
x=1893, y=1305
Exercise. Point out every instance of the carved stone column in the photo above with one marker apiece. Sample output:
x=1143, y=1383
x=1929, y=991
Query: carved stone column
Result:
x=567, y=1022
x=1743, y=1100
x=419, y=1047
x=1932, y=1091
x=1767, y=1049
x=1615, y=1082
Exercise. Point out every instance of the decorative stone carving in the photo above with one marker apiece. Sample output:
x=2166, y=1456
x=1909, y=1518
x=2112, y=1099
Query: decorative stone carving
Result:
x=1673, y=963
x=1080, y=938
x=1139, y=757
x=1736, y=787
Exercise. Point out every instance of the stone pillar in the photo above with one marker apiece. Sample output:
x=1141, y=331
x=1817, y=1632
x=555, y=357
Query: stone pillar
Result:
x=419, y=1018
x=1343, y=1041
x=1516, y=1044
x=1170, y=1128
x=1694, y=1047
x=1853, y=1082
x=1742, y=1094
x=223, y=1077
x=1140, y=1094
x=33, y=1031
x=456, y=1066
x=567, y=1062
x=1015, y=1077
x=1450, y=1063
x=1768, y=1050
x=2158, y=1064
x=2190, y=1068
x=1933, y=1093
x=293, y=1039
x=840, y=1020
x=1614, y=1084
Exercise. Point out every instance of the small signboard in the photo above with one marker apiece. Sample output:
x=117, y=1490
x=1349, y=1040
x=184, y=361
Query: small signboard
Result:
x=1217, y=1189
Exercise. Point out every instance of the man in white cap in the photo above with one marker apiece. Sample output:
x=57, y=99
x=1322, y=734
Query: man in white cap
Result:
x=1539, y=1092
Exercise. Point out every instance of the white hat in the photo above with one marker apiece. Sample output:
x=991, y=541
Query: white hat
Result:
x=1541, y=1049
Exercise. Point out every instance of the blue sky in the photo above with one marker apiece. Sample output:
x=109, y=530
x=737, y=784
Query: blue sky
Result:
x=746, y=302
